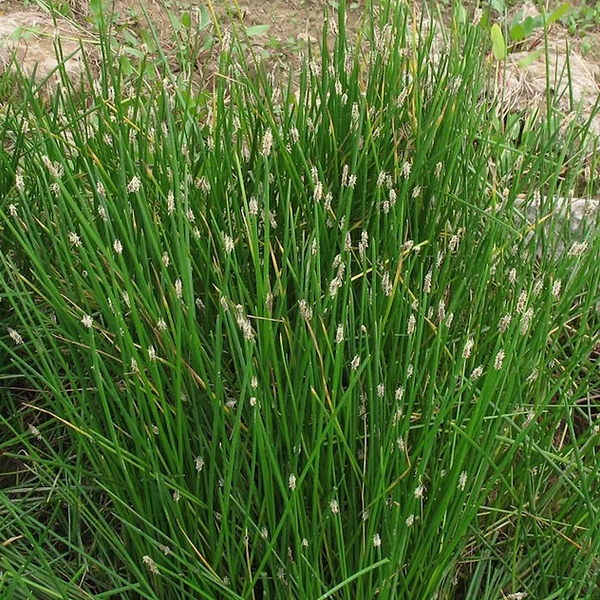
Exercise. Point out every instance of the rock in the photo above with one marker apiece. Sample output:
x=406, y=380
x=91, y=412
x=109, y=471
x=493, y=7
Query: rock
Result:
x=573, y=219
x=30, y=39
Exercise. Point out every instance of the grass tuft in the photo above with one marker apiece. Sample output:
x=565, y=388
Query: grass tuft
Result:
x=323, y=336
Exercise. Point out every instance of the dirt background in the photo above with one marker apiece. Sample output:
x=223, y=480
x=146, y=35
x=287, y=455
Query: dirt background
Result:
x=291, y=22
x=282, y=28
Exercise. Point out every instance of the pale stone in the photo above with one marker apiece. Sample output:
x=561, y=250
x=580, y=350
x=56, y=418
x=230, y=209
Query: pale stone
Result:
x=581, y=215
x=33, y=38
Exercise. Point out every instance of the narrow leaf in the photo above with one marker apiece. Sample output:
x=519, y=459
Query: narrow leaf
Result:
x=517, y=33
x=558, y=13
x=498, y=43
x=257, y=30
x=530, y=58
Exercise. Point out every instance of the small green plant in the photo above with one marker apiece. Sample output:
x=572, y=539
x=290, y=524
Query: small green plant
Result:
x=583, y=18
x=520, y=28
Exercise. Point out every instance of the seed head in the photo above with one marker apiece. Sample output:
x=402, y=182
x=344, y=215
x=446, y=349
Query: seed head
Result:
x=453, y=243
x=441, y=310
x=228, y=243
x=363, y=244
x=267, y=143
x=35, y=432
x=504, y=322
x=412, y=324
x=393, y=197
x=170, y=202
x=54, y=168
x=462, y=481
x=334, y=506
x=305, y=310
x=386, y=284
x=150, y=565
x=499, y=360
x=345, y=172
x=522, y=302
x=15, y=336
x=253, y=206
x=427, y=282
x=477, y=373
x=19, y=181
x=292, y=482
x=348, y=242
x=526, y=321
x=578, y=248
x=468, y=348
x=318, y=192
x=533, y=376
x=294, y=135
x=74, y=239
x=178, y=288
x=134, y=185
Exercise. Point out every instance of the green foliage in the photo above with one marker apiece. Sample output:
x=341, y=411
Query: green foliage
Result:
x=583, y=18
x=297, y=339
x=519, y=30
x=498, y=43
